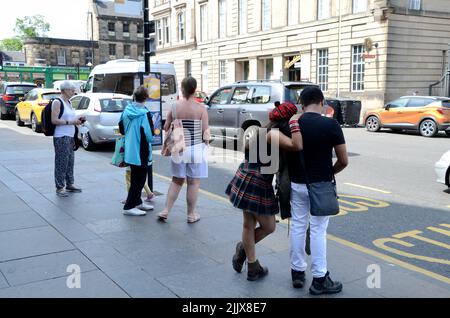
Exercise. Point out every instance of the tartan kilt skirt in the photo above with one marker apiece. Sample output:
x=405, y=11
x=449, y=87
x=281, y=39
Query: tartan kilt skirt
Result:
x=252, y=192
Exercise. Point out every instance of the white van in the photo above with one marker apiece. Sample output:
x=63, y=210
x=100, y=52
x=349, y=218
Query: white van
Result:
x=79, y=84
x=120, y=76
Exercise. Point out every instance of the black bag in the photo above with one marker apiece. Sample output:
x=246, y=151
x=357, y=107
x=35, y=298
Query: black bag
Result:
x=323, y=197
x=283, y=187
x=47, y=126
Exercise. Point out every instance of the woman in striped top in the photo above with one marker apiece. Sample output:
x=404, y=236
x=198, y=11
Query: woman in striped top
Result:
x=192, y=164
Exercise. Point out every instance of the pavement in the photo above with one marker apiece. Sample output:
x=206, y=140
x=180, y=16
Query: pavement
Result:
x=45, y=240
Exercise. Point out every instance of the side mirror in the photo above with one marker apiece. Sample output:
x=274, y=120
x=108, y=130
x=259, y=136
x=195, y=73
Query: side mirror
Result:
x=387, y=107
x=206, y=101
x=21, y=99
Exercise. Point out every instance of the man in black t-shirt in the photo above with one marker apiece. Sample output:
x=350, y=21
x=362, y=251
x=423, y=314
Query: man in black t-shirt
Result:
x=320, y=136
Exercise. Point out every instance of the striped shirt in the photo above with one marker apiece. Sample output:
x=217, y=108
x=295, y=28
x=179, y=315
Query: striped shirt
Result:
x=193, y=134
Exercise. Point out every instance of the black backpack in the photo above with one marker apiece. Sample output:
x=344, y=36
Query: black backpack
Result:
x=47, y=126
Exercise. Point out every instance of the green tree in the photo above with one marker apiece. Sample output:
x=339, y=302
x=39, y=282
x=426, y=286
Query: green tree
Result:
x=12, y=44
x=31, y=26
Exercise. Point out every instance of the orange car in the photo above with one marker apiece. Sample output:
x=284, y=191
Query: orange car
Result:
x=427, y=114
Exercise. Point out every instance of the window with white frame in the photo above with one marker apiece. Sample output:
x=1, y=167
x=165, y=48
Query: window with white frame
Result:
x=222, y=72
x=222, y=18
x=242, y=16
x=204, y=22
x=61, y=56
x=112, y=49
x=159, y=32
x=415, y=4
x=166, y=27
x=181, y=24
x=359, y=6
x=358, y=68
x=205, y=76
x=265, y=14
x=322, y=69
x=323, y=9
x=292, y=12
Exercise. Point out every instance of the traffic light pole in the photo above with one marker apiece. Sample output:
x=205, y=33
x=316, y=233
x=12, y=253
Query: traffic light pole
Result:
x=146, y=36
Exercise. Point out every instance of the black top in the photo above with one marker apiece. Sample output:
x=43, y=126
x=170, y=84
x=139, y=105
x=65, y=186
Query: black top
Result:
x=320, y=134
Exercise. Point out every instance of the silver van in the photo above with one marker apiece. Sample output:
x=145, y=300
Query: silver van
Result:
x=234, y=108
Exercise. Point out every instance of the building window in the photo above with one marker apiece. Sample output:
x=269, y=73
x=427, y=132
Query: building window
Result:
x=126, y=51
x=187, y=68
x=222, y=18
x=323, y=9
x=140, y=52
x=268, y=68
x=359, y=6
x=243, y=16
x=61, y=56
x=159, y=33
x=181, y=26
x=111, y=27
x=322, y=69
x=205, y=76
x=112, y=49
x=292, y=12
x=415, y=4
x=222, y=72
x=126, y=29
x=88, y=57
x=166, y=27
x=265, y=14
x=204, y=22
x=140, y=28
x=357, y=68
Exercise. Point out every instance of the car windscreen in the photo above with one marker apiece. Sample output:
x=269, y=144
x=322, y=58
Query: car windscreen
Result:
x=113, y=105
x=49, y=96
x=18, y=89
x=168, y=85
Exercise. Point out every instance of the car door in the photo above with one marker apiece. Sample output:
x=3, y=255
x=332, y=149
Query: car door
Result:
x=414, y=110
x=393, y=114
x=240, y=101
x=215, y=109
x=22, y=105
x=27, y=105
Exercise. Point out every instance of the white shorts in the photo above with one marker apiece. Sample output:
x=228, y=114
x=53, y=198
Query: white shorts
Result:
x=192, y=163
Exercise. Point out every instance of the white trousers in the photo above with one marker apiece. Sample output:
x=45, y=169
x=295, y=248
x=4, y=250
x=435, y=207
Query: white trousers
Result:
x=318, y=229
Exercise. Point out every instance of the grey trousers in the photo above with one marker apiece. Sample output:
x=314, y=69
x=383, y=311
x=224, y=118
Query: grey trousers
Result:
x=64, y=161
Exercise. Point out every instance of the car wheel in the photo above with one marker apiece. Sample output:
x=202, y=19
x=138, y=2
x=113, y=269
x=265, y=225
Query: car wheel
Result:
x=87, y=142
x=18, y=121
x=447, y=133
x=428, y=128
x=35, y=124
x=3, y=116
x=373, y=124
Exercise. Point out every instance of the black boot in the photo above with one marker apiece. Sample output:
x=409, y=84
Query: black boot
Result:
x=325, y=285
x=239, y=257
x=256, y=271
x=298, y=278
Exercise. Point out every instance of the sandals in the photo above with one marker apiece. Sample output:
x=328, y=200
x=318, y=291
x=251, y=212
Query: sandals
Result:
x=194, y=217
x=162, y=216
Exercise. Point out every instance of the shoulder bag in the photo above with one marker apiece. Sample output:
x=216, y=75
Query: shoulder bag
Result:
x=174, y=142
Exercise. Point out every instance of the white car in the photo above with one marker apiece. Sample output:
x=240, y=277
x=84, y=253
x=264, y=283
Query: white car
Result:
x=442, y=168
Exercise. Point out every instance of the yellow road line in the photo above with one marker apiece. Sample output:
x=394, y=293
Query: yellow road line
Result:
x=367, y=188
x=390, y=259
x=350, y=244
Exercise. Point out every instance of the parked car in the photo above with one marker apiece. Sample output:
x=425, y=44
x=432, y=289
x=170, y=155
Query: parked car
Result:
x=426, y=114
x=442, y=168
x=102, y=112
x=234, y=108
x=29, y=110
x=10, y=92
x=200, y=97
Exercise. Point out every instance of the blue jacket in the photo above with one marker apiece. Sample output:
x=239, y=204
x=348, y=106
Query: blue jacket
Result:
x=134, y=117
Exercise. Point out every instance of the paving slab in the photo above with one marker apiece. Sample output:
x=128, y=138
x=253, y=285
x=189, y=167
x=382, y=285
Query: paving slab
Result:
x=73, y=230
x=17, y=220
x=31, y=242
x=3, y=282
x=34, y=269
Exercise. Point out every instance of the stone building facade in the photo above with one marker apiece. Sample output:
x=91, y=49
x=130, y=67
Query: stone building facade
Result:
x=59, y=52
x=372, y=50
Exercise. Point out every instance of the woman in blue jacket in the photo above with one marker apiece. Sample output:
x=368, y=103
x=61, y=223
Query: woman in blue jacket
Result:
x=136, y=124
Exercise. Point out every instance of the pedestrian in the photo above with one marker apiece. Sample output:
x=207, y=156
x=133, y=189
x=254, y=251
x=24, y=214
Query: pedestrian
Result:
x=251, y=190
x=150, y=196
x=320, y=136
x=135, y=125
x=64, y=140
x=192, y=164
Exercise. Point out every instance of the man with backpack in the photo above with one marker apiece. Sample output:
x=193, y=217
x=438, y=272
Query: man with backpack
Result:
x=59, y=120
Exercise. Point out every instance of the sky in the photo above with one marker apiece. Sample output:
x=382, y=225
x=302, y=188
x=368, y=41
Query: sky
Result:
x=67, y=18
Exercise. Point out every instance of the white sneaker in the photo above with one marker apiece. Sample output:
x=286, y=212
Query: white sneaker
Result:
x=145, y=207
x=134, y=212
